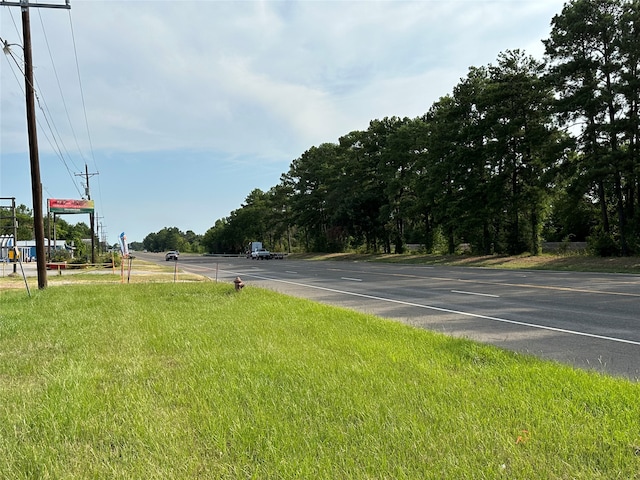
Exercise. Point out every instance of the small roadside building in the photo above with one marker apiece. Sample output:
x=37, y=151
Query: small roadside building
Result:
x=27, y=248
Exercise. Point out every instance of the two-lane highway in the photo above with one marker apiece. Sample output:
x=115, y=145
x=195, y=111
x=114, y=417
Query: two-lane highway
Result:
x=584, y=319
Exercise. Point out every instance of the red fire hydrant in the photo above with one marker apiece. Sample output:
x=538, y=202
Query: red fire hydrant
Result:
x=239, y=283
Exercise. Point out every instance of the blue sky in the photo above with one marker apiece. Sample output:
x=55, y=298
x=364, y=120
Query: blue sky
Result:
x=180, y=108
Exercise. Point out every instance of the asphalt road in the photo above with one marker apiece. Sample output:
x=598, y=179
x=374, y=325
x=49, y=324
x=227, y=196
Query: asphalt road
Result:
x=587, y=320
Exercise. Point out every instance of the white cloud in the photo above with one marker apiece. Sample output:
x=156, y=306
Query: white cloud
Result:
x=231, y=81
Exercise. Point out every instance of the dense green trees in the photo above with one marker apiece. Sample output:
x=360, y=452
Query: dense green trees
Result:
x=55, y=227
x=521, y=151
x=24, y=216
x=263, y=217
x=594, y=52
x=173, y=239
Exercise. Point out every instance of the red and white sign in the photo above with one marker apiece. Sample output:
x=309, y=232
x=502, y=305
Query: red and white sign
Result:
x=57, y=205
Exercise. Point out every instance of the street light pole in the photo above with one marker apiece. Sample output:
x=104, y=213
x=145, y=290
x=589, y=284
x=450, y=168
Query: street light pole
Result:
x=36, y=183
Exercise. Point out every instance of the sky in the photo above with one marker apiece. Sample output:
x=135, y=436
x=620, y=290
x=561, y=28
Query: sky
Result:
x=179, y=109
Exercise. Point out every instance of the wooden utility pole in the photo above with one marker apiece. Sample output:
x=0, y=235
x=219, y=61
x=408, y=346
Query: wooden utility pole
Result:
x=87, y=192
x=36, y=183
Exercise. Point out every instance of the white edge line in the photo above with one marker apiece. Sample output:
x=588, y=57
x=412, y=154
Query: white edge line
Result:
x=475, y=293
x=447, y=310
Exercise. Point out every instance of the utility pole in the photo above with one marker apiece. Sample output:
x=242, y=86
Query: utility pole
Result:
x=103, y=236
x=98, y=231
x=36, y=183
x=91, y=215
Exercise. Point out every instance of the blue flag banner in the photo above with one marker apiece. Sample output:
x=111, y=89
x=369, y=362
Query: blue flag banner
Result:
x=124, y=248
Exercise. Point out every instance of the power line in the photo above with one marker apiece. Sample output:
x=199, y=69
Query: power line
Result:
x=84, y=108
x=64, y=103
x=56, y=148
x=36, y=183
x=55, y=135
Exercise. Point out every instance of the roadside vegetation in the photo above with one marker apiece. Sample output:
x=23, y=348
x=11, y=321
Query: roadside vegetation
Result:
x=194, y=380
x=563, y=262
x=138, y=271
x=520, y=153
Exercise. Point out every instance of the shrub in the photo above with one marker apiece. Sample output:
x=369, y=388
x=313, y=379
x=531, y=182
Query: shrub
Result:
x=603, y=244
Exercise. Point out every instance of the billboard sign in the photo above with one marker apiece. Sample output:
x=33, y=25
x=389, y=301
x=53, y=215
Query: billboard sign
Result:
x=57, y=205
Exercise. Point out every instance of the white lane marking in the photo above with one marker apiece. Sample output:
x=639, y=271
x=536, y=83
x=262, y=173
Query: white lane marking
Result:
x=448, y=310
x=351, y=279
x=289, y=271
x=475, y=293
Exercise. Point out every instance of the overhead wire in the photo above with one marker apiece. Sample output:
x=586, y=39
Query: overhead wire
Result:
x=64, y=103
x=40, y=101
x=13, y=20
x=51, y=124
x=10, y=53
x=84, y=108
x=56, y=147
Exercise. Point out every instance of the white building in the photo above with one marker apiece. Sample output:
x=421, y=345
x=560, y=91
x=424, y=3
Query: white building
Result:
x=27, y=248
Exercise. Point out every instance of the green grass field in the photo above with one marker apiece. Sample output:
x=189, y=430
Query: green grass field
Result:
x=195, y=380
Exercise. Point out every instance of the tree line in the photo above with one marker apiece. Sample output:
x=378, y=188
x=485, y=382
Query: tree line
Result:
x=60, y=230
x=171, y=238
x=24, y=229
x=520, y=151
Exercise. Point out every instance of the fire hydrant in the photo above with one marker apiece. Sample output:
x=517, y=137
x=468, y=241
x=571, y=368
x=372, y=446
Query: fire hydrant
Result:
x=239, y=283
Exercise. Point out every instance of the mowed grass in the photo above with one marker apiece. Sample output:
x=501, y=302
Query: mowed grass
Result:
x=195, y=380
x=574, y=262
